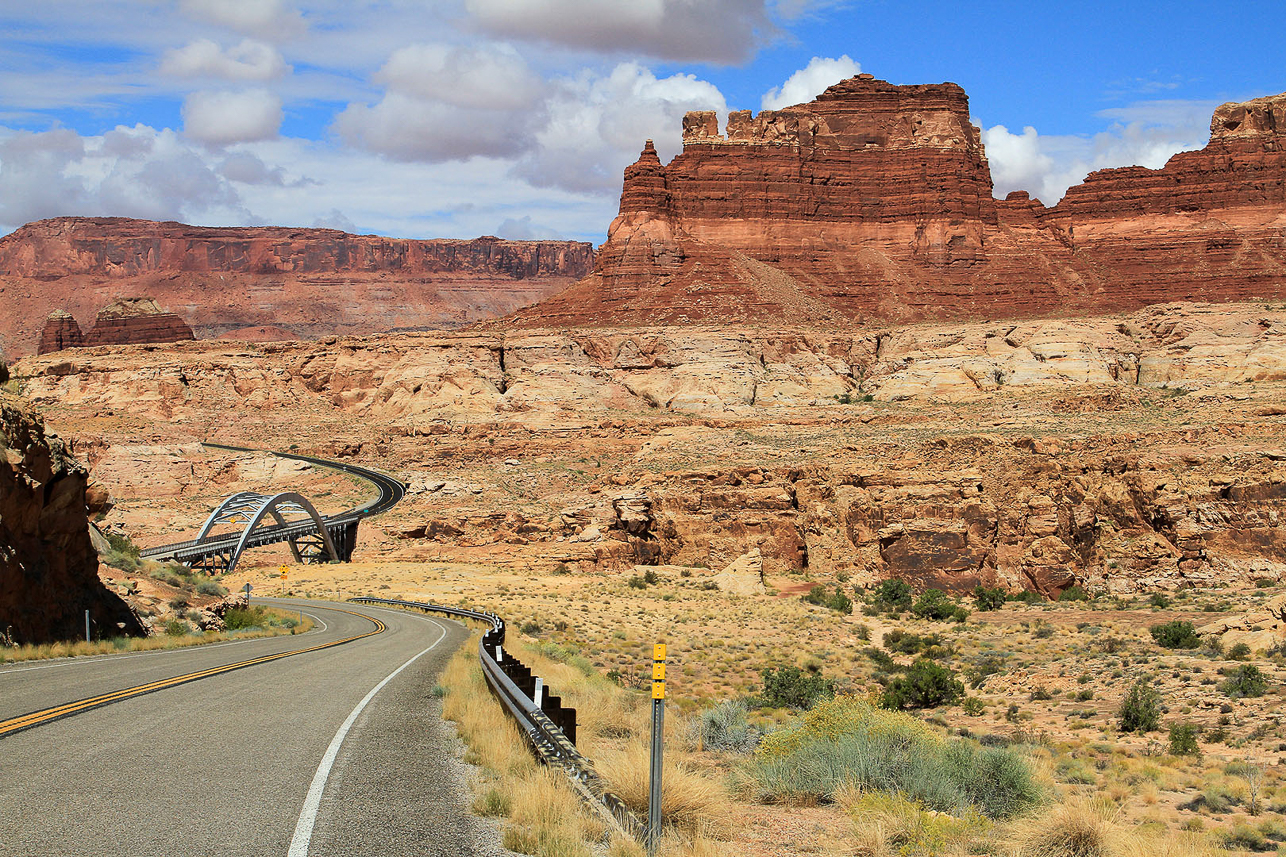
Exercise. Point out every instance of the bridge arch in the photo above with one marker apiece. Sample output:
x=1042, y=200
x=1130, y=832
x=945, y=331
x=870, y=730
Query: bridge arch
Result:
x=252, y=508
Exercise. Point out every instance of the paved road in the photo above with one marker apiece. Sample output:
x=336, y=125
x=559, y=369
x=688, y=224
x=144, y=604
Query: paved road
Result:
x=254, y=761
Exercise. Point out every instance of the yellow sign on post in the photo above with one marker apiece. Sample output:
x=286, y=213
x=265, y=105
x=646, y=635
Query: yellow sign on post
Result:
x=658, y=671
x=283, y=572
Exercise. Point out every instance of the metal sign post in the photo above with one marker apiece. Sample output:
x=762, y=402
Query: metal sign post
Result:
x=658, y=740
x=87, y=640
x=247, y=591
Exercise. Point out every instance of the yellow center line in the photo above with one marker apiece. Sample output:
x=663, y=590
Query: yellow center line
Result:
x=47, y=715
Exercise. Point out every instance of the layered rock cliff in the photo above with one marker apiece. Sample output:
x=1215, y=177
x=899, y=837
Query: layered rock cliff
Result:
x=874, y=201
x=48, y=567
x=308, y=282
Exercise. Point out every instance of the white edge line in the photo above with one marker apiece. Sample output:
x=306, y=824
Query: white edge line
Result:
x=312, y=803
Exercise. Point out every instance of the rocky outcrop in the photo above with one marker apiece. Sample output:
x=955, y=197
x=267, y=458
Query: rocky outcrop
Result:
x=875, y=201
x=308, y=282
x=60, y=331
x=136, y=321
x=48, y=566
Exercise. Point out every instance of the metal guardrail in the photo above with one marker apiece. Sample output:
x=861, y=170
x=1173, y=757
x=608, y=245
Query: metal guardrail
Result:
x=546, y=739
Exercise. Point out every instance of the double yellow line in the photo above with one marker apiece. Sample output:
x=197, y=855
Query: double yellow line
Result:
x=48, y=715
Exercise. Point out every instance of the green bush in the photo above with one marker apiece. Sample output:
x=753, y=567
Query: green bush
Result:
x=989, y=599
x=934, y=604
x=1140, y=709
x=725, y=727
x=239, y=618
x=845, y=740
x=838, y=602
x=176, y=628
x=1246, y=681
x=791, y=687
x=1176, y=635
x=1239, y=652
x=1159, y=600
x=892, y=594
x=209, y=587
x=925, y=685
x=1076, y=592
x=898, y=640
x=1027, y=596
x=1183, y=739
x=984, y=667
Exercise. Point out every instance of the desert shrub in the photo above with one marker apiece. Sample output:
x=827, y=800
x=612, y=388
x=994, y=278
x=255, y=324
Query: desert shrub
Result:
x=530, y=628
x=925, y=685
x=934, y=604
x=176, y=627
x=1247, y=680
x=989, y=598
x=1027, y=596
x=1183, y=739
x=791, y=687
x=846, y=741
x=121, y=553
x=637, y=582
x=650, y=577
x=838, y=601
x=1075, y=592
x=1178, y=634
x=973, y=706
x=209, y=587
x=725, y=727
x=1159, y=600
x=239, y=618
x=1239, y=652
x=1140, y=709
x=898, y=640
x=984, y=667
x=892, y=594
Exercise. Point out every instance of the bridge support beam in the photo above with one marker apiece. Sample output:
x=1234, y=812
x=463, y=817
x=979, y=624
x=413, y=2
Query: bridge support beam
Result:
x=345, y=538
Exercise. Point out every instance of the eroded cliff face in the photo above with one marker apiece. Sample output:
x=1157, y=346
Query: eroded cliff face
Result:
x=48, y=567
x=306, y=282
x=1127, y=453
x=874, y=201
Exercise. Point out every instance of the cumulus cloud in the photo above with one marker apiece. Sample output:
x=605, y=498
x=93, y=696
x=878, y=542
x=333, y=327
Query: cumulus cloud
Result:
x=1145, y=134
x=597, y=124
x=225, y=117
x=810, y=81
x=249, y=60
x=267, y=19
x=523, y=229
x=127, y=172
x=445, y=103
x=248, y=168
x=720, y=31
x=335, y=219
x=493, y=77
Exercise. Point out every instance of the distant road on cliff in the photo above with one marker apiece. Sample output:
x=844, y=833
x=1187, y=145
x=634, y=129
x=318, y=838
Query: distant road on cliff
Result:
x=339, y=750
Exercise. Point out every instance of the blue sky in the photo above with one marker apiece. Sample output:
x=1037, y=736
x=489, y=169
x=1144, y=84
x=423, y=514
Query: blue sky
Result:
x=515, y=117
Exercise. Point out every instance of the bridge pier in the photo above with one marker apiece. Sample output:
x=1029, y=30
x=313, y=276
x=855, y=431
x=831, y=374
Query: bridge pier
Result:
x=344, y=538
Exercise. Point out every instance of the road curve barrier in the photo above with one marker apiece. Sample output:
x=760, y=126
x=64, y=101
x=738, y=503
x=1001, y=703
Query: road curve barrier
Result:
x=550, y=728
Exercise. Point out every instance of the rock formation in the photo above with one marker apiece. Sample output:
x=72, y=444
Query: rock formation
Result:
x=136, y=321
x=60, y=331
x=48, y=567
x=309, y=282
x=875, y=201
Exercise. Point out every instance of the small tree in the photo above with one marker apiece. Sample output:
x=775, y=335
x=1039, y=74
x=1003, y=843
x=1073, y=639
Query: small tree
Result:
x=1140, y=710
x=1176, y=635
x=1183, y=739
x=989, y=599
x=1246, y=681
x=925, y=685
x=892, y=594
x=791, y=687
x=934, y=604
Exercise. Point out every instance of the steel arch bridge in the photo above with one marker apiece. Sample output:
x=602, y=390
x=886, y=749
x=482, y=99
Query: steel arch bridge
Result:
x=312, y=537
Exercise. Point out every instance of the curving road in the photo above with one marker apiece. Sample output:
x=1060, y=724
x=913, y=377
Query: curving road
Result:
x=391, y=493
x=334, y=751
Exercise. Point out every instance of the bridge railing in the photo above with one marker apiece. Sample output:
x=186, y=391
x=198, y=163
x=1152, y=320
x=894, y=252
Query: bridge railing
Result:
x=547, y=739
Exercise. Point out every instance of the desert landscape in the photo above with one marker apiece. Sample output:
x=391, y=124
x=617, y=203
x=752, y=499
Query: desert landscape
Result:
x=871, y=451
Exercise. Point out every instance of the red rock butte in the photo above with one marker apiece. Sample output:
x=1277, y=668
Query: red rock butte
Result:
x=303, y=283
x=875, y=202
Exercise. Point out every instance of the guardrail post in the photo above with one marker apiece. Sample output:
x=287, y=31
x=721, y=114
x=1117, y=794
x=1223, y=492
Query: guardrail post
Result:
x=658, y=740
x=540, y=690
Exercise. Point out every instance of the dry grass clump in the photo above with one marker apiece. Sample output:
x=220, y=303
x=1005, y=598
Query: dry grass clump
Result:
x=886, y=824
x=117, y=645
x=546, y=818
x=1092, y=828
x=691, y=803
x=494, y=741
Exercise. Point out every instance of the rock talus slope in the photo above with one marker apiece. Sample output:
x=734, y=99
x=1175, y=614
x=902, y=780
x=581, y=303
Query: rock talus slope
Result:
x=48, y=566
x=875, y=201
x=306, y=282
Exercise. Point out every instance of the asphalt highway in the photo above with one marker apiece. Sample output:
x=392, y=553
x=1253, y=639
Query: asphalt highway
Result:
x=335, y=751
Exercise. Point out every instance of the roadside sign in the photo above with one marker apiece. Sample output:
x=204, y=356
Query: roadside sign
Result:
x=283, y=572
x=247, y=589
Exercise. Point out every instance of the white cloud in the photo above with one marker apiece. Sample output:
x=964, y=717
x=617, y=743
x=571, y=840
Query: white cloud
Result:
x=335, y=219
x=249, y=60
x=127, y=172
x=722, y=31
x=1147, y=134
x=490, y=76
x=810, y=81
x=444, y=103
x=597, y=124
x=267, y=19
x=225, y=117
x=523, y=229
